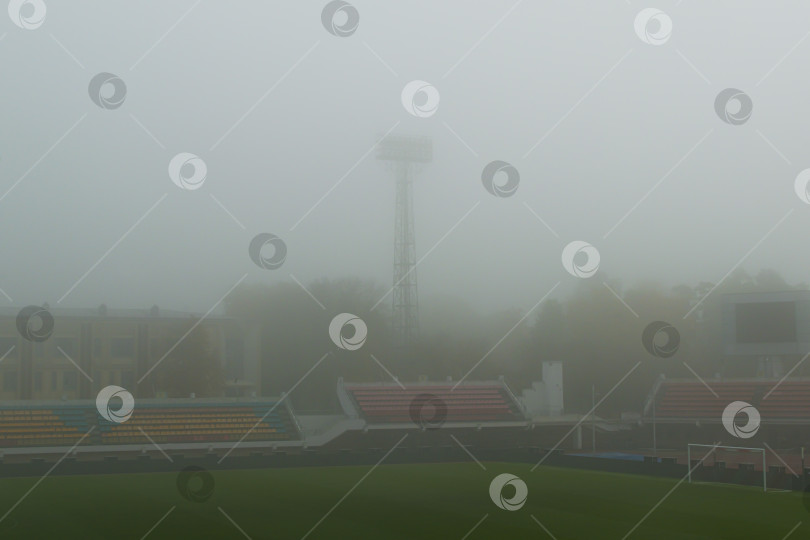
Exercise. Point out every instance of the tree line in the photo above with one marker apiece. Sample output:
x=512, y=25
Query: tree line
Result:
x=595, y=332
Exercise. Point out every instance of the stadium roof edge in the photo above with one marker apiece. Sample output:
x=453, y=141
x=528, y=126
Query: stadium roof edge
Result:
x=738, y=380
x=406, y=384
x=129, y=313
x=30, y=404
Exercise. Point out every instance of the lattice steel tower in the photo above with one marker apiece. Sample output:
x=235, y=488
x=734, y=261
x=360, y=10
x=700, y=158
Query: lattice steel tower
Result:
x=406, y=155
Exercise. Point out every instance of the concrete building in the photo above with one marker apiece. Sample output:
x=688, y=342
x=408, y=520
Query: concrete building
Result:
x=112, y=346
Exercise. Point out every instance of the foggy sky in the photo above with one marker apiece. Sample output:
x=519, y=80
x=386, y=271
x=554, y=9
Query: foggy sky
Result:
x=535, y=74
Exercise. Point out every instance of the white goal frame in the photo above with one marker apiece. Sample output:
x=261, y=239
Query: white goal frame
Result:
x=715, y=447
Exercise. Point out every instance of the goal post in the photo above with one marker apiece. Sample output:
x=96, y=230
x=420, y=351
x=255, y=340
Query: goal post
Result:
x=703, y=451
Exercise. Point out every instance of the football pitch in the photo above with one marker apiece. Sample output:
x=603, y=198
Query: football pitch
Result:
x=437, y=501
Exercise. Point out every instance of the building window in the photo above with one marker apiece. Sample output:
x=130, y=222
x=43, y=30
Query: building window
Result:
x=153, y=347
x=66, y=344
x=10, y=381
x=234, y=359
x=122, y=347
x=69, y=380
x=128, y=379
x=8, y=347
x=38, y=381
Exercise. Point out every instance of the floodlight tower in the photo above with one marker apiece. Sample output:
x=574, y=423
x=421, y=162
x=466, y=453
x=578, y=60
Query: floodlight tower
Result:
x=406, y=155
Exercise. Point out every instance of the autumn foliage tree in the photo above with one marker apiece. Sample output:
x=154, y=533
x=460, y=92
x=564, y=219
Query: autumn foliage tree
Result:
x=192, y=366
x=595, y=331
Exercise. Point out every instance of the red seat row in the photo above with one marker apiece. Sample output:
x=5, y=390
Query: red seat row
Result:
x=787, y=400
x=392, y=404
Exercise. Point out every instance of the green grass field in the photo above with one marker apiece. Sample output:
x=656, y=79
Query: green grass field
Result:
x=395, y=501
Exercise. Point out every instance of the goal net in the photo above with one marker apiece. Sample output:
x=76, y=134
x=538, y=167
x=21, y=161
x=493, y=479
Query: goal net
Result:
x=727, y=465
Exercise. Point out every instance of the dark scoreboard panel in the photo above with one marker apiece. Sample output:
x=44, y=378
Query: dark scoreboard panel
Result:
x=766, y=323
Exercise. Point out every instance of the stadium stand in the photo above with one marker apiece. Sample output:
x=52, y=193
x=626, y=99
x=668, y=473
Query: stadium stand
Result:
x=43, y=426
x=790, y=401
x=207, y=422
x=475, y=402
x=164, y=422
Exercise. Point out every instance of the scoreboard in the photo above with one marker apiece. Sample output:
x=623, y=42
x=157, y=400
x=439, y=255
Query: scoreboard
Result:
x=772, y=323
